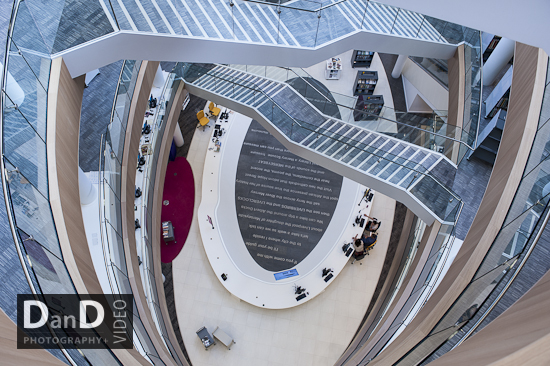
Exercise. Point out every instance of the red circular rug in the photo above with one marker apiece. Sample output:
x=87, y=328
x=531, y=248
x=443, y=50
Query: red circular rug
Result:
x=178, y=201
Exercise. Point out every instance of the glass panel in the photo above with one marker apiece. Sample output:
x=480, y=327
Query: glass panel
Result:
x=426, y=347
x=155, y=360
x=511, y=239
x=27, y=34
x=122, y=281
x=113, y=210
x=172, y=351
x=13, y=278
x=112, y=172
x=25, y=149
x=472, y=298
x=115, y=137
x=57, y=23
x=303, y=25
x=26, y=93
x=541, y=148
x=143, y=336
x=116, y=248
x=49, y=270
x=436, y=67
x=32, y=211
x=330, y=25
x=40, y=65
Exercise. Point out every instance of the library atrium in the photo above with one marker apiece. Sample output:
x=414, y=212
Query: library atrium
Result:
x=275, y=182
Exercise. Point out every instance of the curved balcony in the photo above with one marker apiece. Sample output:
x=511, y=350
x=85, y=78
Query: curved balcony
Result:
x=28, y=93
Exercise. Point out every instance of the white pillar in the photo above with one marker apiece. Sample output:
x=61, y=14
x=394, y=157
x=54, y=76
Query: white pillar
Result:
x=398, y=68
x=90, y=76
x=158, y=82
x=502, y=53
x=87, y=190
x=178, y=137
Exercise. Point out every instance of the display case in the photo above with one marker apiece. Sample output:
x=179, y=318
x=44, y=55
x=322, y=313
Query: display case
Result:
x=167, y=231
x=498, y=99
x=489, y=43
x=365, y=82
x=361, y=58
x=334, y=68
x=368, y=107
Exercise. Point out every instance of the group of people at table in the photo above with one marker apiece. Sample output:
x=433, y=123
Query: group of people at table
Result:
x=368, y=239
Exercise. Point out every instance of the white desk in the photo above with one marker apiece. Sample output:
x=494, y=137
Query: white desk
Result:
x=226, y=250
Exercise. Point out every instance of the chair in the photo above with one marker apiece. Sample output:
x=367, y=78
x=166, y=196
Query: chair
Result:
x=203, y=121
x=359, y=257
x=223, y=337
x=368, y=249
x=213, y=109
x=206, y=338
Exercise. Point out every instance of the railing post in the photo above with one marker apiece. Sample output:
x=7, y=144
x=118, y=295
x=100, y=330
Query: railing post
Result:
x=394, y=20
x=364, y=14
x=318, y=22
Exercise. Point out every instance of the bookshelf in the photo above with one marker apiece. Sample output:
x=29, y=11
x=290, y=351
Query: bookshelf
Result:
x=361, y=58
x=334, y=68
x=489, y=44
x=498, y=99
x=167, y=231
x=371, y=104
x=365, y=82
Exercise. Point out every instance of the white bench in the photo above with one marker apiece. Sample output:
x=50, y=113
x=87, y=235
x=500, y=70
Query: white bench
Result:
x=223, y=337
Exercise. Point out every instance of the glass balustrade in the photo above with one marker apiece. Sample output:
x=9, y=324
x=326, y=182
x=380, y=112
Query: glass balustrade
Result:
x=303, y=23
x=26, y=72
x=413, y=177
x=111, y=155
x=432, y=132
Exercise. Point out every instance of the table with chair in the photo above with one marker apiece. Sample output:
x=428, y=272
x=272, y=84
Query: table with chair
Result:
x=204, y=118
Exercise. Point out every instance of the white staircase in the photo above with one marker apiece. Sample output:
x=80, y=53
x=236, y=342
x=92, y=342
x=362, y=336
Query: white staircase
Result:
x=384, y=163
x=296, y=23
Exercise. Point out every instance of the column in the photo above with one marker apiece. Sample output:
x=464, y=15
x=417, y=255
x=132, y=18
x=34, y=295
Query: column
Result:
x=90, y=76
x=178, y=137
x=158, y=82
x=398, y=68
x=502, y=53
x=87, y=190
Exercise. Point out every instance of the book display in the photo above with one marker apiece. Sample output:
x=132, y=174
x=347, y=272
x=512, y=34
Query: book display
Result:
x=334, y=68
x=361, y=58
x=368, y=107
x=491, y=45
x=498, y=99
x=167, y=231
x=365, y=82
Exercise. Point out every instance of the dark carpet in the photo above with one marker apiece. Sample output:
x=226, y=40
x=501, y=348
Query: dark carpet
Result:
x=178, y=200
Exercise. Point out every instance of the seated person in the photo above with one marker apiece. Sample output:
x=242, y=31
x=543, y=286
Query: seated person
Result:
x=370, y=241
x=359, y=247
x=373, y=224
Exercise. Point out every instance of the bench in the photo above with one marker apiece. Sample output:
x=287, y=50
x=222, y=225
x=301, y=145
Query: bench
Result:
x=223, y=337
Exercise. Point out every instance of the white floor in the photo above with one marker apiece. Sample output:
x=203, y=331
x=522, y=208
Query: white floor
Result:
x=313, y=334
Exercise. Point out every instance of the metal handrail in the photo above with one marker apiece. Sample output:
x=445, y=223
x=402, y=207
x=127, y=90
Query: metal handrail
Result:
x=5, y=184
x=508, y=284
x=371, y=114
x=279, y=5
